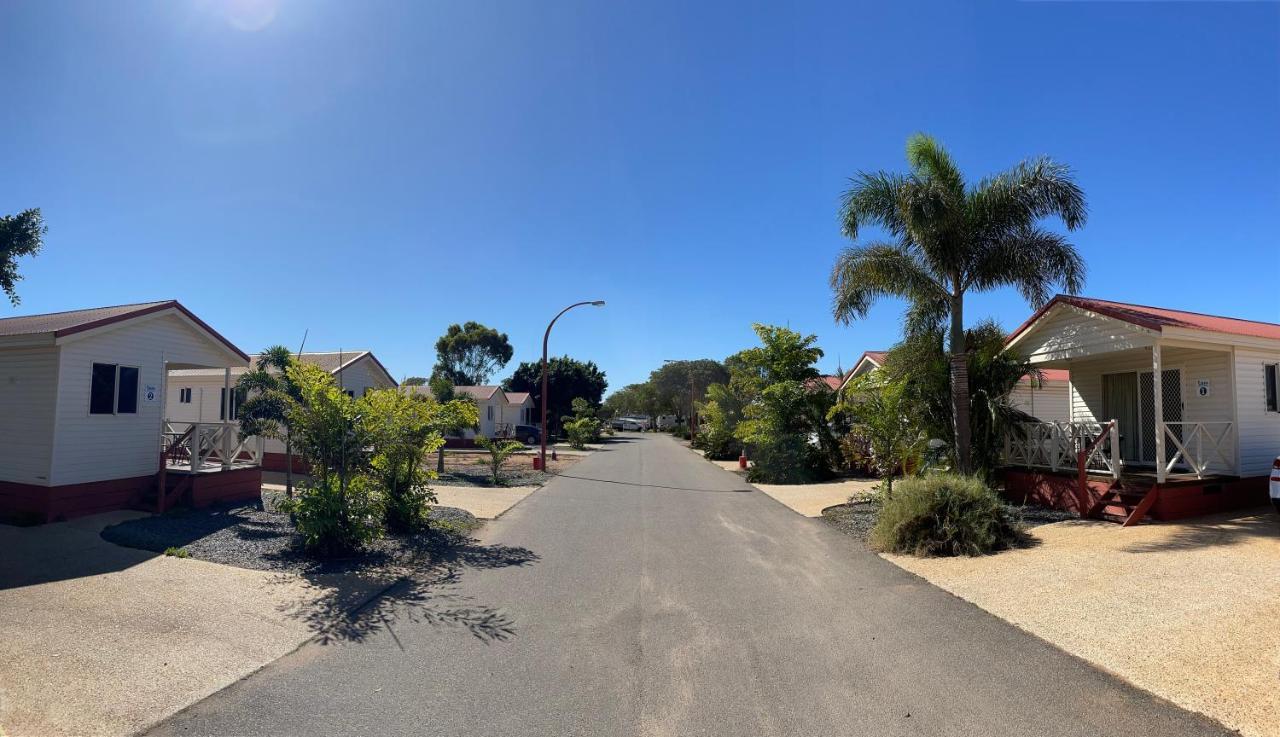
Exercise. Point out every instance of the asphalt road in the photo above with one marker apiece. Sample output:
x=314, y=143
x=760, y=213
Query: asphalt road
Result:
x=651, y=593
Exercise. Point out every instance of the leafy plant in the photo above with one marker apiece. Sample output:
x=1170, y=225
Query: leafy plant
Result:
x=271, y=399
x=944, y=515
x=720, y=415
x=784, y=423
x=949, y=238
x=334, y=514
x=403, y=429
x=583, y=427
x=884, y=432
x=20, y=235
x=173, y=552
x=499, y=451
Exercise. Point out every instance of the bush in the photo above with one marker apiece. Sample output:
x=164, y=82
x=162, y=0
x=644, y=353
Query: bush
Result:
x=786, y=459
x=944, y=515
x=333, y=521
x=499, y=451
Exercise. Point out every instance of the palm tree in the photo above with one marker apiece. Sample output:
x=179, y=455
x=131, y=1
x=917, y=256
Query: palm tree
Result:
x=947, y=238
x=271, y=395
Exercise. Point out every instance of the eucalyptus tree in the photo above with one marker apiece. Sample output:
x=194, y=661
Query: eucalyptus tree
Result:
x=946, y=238
x=20, y=235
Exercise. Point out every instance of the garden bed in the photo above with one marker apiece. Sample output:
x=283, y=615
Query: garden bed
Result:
x=858, y=518
x=260, y=538
x=472, y=469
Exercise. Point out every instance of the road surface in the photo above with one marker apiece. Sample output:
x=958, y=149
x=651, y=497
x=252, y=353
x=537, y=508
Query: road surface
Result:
x=652, y=593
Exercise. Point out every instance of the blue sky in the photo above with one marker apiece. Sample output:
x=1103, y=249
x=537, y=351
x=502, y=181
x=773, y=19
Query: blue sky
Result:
x=374, y=171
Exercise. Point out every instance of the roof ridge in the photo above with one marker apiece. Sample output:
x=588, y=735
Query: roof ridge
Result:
x=91, y=309
x=1166, y=309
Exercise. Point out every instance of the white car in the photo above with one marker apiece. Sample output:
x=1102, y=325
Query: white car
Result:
x=1275, y=484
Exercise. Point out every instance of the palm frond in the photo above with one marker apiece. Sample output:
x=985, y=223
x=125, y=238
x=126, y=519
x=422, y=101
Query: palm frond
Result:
x=863, y=274
x=1034, y=189
x=929, y=160
x=1032, y=260
x=872, y=197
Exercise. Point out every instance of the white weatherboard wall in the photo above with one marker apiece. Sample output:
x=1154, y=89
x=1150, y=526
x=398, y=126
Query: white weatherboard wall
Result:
x=1048, y=403
x=1259, y=429
x=1068, y=332
x=206, y=392
x=1196, y=365
x=101, y=447
x=28, y=392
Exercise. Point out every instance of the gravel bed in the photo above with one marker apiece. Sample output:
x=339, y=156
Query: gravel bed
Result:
x=858, y=518
x=249, y=536
x=854, y=519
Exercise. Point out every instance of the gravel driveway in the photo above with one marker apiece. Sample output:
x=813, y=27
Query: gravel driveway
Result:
x=1186, y=610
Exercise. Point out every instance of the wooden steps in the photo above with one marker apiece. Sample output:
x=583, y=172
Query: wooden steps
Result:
x=1125, y=505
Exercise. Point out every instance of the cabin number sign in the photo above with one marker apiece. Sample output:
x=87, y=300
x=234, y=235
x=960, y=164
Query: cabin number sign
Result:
x=1202, y=387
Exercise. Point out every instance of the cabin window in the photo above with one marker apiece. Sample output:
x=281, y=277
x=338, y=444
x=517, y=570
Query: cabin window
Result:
x=237, y=397
x=1269, y=375
x=490, y=412
x=184, y=395
x=113, y=389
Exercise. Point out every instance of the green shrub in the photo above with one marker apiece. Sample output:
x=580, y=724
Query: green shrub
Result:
x=177, y=552
x=333, y=520
x=944, y=515
x=582, y=426
x=499, y=451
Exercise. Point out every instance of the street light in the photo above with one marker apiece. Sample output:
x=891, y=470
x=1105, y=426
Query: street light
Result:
x=542, y=453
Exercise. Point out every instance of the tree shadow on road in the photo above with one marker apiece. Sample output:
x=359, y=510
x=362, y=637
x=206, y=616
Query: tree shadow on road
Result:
x=353, y=606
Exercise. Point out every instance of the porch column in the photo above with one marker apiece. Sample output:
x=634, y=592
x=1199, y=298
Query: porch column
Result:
x=226, y=418
x=1157, y=412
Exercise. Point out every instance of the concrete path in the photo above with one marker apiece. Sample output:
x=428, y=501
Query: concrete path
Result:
x=484, y=502
x=97, y=639
x=650, y=593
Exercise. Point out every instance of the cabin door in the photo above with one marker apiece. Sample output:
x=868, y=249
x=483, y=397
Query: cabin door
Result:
x=1170, y=410
x=1120, y=403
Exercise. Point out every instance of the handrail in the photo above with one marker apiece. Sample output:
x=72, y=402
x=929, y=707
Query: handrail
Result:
x=1183, y=441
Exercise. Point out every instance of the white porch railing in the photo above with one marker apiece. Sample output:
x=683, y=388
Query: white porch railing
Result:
x=1200, y=446
x=1057, y=446
x=208, y=445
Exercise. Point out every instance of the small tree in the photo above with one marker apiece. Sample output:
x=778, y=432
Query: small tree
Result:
x=20, y=235
x=271, y=396
x=499, y=451
x=403, y=429
x=338, y=510
x=414, y=381
x=881, y=421
x=582, y=427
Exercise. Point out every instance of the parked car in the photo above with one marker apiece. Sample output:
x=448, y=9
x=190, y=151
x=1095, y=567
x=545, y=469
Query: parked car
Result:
x=627, y=423
x=529, y=434
x=1275, y=484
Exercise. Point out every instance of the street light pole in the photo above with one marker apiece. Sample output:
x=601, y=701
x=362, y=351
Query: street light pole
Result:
x=542, y=453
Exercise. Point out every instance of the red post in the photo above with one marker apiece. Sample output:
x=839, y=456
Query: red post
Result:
x=742, y=460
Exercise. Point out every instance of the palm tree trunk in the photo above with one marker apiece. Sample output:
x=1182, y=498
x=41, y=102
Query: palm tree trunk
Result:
x=960, y=386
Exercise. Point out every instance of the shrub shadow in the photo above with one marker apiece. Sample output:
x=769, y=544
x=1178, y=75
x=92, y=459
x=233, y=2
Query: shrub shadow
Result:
x=422, y=589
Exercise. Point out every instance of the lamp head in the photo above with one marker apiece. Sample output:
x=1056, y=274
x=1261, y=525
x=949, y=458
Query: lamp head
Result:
x=598, y=303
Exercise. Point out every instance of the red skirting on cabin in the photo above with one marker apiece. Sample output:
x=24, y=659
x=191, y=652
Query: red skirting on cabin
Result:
x=34, y=504
x=236, y=485
x=29, y=503
x=279, y=462
x=1175, y=500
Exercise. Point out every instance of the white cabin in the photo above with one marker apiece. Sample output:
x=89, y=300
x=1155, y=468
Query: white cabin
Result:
x=82, y=405
x=198, y=395
x=1166, y=395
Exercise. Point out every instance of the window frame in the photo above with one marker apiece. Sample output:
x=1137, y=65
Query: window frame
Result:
x=1271, y=387
x=115, y=389
x=184, y=395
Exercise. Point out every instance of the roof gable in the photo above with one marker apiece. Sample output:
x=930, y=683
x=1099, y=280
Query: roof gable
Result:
x=72, y=322
x=1152, y=318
